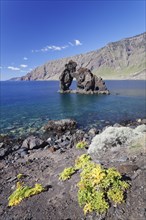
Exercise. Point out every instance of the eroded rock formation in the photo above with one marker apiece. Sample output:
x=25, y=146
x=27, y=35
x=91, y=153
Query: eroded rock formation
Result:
x=87, y=83
x=67, y=75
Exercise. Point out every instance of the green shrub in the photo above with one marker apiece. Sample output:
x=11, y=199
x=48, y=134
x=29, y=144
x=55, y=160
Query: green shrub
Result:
x=82, y=161
x=23, y=192
x=81, y=145
x=67, y=173
x=19, y=176
x=98, y=187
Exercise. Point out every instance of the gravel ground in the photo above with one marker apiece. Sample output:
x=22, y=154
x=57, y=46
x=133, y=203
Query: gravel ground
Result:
x=59, y=201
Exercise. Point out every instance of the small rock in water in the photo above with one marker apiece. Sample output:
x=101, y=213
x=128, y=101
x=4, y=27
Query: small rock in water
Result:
x=60, y=126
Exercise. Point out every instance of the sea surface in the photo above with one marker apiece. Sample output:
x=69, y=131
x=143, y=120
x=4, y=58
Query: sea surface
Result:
x=26, y=106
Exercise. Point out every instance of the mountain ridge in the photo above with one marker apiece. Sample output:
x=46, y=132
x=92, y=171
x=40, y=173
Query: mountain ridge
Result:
x=123, y=59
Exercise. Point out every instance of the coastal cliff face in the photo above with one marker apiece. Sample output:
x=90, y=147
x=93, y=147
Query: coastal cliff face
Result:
x=124, y=59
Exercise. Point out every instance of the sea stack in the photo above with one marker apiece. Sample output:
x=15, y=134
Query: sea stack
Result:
x=87, y=82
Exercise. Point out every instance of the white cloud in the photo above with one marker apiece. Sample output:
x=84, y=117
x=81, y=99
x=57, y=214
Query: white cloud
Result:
x=35, y=51
x=53, y=48
x=57, y=48
x=23, y=65
x=64, y=47
x=13, y=68
x=25, y=58
x=50, y=47
x=77, y=43
x=70, y=43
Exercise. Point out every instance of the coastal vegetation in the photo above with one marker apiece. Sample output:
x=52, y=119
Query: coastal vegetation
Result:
x=67, y=173
x=98, y=187
x=97, y=183
x=19, y=176
x=23, y=192
x=81, y=145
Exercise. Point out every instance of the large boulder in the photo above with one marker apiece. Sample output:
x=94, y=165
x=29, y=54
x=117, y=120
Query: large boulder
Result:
x=115, y=137
x=33, y=142
x=60, y=126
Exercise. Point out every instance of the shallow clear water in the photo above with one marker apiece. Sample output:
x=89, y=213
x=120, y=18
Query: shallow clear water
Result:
x=26, y=106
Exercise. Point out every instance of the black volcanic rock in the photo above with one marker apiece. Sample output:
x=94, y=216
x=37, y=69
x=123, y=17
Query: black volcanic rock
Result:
x=67, y=75
x=85, y=79
x=99, y=84
x=87, y=83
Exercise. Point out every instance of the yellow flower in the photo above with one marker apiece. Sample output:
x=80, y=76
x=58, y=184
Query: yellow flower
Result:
x=87, y=208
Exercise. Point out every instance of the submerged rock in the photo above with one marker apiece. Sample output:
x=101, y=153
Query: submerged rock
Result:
x=60, y=126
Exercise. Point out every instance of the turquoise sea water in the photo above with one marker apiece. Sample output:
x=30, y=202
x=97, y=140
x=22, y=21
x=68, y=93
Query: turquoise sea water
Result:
x=26, y=106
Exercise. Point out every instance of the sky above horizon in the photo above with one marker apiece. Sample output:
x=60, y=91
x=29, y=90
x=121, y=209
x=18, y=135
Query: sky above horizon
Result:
x=35, y=32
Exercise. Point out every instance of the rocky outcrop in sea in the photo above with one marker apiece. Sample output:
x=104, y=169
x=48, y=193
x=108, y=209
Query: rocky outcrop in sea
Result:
x=87, y=83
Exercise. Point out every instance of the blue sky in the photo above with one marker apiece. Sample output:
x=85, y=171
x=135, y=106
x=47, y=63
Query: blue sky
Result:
x=34, y=32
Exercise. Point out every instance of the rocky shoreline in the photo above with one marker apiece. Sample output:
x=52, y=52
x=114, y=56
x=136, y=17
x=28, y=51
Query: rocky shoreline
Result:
x=41, y=159
x=78, y=91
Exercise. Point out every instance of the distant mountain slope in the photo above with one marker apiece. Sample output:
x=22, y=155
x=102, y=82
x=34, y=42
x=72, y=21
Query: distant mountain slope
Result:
x=122, y=59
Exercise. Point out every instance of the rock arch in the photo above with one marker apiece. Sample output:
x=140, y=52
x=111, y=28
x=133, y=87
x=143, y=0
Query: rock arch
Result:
x=87, y=83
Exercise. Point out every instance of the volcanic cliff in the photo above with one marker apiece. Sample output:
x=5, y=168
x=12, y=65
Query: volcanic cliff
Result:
x=124, y=59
